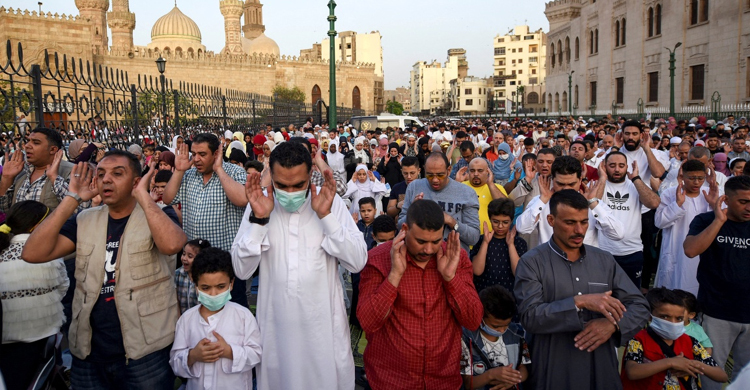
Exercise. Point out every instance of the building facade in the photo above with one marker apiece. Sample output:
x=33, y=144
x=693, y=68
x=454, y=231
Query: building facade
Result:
x=616, y=54
x=519, y=69
x=430, y=82
x=250, y=61
x=470, y=95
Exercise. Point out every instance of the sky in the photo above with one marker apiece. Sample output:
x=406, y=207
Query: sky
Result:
x=412, y=30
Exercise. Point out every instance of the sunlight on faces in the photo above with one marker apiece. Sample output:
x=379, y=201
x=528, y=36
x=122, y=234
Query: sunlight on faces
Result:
x=115, y=180
x=569, y=226
x=214, y=283
x=38, y=150
x=188, y=255
x=422, y=244
x=436, y=173
x=367, y=213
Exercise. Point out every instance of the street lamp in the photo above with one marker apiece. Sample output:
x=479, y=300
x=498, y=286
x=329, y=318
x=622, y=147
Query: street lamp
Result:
x=671, y=76
x=161, y=66
x=332, y=66
x=40, y=7
x=570, y=86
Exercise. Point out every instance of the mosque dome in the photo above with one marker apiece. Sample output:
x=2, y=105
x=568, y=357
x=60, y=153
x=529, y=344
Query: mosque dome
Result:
x=261, y=45
x=176, y=26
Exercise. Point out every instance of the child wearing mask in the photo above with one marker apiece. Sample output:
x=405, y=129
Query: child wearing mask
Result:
x=663, y=356
x=496, y=355
x=216, y=343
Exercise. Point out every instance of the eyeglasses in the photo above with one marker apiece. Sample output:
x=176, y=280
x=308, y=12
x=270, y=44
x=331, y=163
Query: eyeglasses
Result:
x=431, y=176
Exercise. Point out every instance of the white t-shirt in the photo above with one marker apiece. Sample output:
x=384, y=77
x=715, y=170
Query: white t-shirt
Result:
x=625, y=204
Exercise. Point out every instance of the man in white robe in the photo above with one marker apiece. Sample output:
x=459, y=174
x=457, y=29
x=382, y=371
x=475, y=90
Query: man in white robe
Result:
x=298, y=236
x=679, y=205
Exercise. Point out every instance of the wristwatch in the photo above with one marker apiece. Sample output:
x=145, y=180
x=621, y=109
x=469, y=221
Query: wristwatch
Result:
x=258, y=221
x=74, y=196
x=592, y=200
x=455, y=227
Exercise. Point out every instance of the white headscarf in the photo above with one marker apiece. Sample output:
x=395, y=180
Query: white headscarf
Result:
x=367, y=185
x=361, y=154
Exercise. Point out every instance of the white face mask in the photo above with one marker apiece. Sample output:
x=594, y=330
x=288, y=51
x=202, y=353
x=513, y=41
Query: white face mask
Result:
x=504, y=156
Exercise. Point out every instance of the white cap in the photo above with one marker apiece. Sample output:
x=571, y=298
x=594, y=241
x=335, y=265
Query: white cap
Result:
x=675, y=140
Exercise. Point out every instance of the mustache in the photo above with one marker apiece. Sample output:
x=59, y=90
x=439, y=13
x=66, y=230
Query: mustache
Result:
x=577, y=236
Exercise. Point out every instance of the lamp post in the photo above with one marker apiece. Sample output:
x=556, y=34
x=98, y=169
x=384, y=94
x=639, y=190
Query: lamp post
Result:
x=332, y=66
x=40, y=7
x=672, y=68
x=161, y=65
x=570, y=89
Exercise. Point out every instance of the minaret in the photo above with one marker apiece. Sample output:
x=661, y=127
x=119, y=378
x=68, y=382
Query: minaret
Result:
x=95, y=11
x=122, y=23
x=253, y=19
x=232, y=11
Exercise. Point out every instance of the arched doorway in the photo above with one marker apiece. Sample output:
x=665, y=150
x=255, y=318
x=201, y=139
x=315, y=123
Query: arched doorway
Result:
x=315, y=94
x=356, y=102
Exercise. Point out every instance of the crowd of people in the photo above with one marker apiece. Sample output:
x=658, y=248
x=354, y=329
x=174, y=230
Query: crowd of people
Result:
x=466, y=254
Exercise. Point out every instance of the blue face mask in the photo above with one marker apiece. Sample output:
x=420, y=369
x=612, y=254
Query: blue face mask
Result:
x=666, y=329
x=490, y=331
x=291, y=201
x=214, y=302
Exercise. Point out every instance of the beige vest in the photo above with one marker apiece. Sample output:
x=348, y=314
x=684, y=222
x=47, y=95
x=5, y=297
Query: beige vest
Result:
x=144, y=292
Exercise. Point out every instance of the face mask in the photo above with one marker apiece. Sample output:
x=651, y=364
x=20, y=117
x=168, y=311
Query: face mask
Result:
x=291, y=201
x=214, y=302
x=490, y=331
x=504, y=156
x=666, y=329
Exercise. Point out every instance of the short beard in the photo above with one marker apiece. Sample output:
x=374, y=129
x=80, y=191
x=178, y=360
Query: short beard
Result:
x=616, y=181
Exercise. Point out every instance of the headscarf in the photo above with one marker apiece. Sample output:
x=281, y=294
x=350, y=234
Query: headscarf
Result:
x=237, y=136
x=278, y=138
x=237, y=145
x=367, y=185
x=228, y=134
x=75, y=148
x=361, y=154
x=173, y=149
x=136, y=150
x=721, y=164
x=380, y=152
x=238, y=155
x=86, y=154
x=501, y=168
x=259, y=140
x=167, y=157
x=271, y=145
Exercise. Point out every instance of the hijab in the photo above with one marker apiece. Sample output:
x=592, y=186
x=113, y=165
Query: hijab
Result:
x=367, y=185
x=173, y=149
x=75, y=148
x=259, y=140
x=501, y=167
x=361, y=154
x=86, y=154
x=167, y=157
x=136, y=150
x=237, y=145
x=271, y=145
x=721, y=164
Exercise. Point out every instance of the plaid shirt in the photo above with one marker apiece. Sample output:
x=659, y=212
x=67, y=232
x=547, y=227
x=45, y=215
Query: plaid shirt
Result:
x=317, y=178
x=186, y=293
x=207, y=212
x=32, y=191
x=414, y=330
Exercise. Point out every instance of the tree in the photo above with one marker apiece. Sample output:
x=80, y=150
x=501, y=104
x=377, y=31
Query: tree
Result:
x=293, y=94
x=394, y=107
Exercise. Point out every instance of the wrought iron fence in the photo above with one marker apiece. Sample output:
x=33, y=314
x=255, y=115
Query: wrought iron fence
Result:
x=96, y=103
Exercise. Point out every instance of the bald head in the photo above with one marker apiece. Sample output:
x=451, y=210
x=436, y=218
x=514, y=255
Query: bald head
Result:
x=479, y=172
x=608, y=141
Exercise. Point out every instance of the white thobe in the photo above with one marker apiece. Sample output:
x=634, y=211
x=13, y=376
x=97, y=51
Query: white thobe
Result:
x=238, y=328
x=534, y=219
x=303, y=323
x=676, y=270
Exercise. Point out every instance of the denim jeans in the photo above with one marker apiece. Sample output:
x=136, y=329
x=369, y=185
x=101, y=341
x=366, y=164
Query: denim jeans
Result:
x=149, y=372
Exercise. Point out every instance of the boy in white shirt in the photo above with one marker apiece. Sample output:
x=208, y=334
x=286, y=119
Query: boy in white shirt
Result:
x=217, y=343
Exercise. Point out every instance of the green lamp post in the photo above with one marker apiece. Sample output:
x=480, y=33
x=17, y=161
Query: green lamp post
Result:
x=332, y=85
x=570, y=87
x=672, y=68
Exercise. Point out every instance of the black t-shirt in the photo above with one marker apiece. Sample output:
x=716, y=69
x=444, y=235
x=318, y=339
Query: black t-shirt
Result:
x=106, y=338
x=398, y=191
x=724, y=270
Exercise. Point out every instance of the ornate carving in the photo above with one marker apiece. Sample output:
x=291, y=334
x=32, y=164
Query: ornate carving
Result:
x=101, y=5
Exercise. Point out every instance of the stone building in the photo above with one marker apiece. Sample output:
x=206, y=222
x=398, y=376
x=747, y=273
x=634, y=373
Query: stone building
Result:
x=615, y=53
x=250, y=61
x=430, y=83
x=519, y=67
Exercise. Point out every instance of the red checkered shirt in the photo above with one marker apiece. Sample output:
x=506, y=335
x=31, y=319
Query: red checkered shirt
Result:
x=414, y=331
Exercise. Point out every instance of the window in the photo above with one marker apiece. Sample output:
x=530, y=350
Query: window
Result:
x=356, y=102
x=592, y=93
x=657, y=28
x=501, y=94
x=533, y=71
x=513, y=72
x=533, y=98
x=591, y=42
x=697, y=78
x=559, y=52
x=514, y=50
x=596, y=41
x=315, y=94
x=533, y=59
x=577, y=48
x=520, y=61
x=567, y=50
x=500, y=40
x=620, y=90
x=533, y=49
x=528, y=37
x=622, y=32
x=499, y=51
x=467, y=91
x=520, y=50
x=653, y=87
x=617, y=33
x=512, y=61
x=520, y=71
x=698, y=11
x=469, y=102
x=348, y=45
x=553, y=54
x=533, y=80
x=650, y=21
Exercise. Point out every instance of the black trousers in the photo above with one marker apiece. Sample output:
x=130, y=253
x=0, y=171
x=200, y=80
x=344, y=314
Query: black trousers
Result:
x=651, y=245
x=19, y=362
